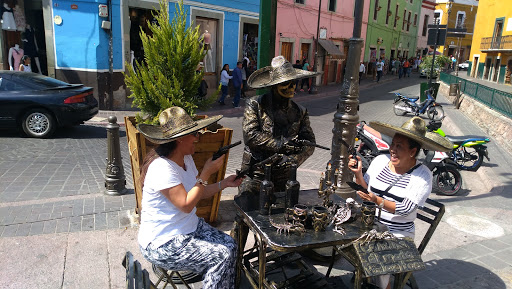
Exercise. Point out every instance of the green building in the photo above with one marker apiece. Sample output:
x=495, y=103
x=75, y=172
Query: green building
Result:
x=392, y=29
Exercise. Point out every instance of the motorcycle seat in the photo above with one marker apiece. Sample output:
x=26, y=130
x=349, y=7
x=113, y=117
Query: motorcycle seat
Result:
x=411, y=97
x=461, y=139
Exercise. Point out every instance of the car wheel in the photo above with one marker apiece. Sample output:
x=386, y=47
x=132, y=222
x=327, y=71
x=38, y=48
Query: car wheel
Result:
x=38, y=123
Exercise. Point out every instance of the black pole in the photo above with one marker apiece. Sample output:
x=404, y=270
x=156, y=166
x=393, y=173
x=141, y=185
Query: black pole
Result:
x=110, y=59
x=436, y=16
x=312, y=88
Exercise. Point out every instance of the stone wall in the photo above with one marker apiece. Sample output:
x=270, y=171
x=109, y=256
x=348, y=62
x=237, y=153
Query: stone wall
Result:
x=493, y=123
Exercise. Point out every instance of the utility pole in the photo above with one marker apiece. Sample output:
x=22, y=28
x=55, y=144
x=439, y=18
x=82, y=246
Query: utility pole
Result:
x=436, y=22
x=267, y=32
x=312, y=88
x=346, y=117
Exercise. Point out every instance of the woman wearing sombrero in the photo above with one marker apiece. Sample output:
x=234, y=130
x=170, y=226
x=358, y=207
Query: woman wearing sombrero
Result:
x=398, y=183
x=171, y=235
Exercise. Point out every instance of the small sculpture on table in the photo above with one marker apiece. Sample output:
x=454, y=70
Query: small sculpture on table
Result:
x=328, y=187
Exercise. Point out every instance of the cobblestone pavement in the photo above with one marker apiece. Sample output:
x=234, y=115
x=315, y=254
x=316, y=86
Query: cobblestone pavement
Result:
x=56, y=186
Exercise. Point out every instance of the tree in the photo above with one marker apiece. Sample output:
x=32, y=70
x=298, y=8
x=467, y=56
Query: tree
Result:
x=440, y=62
x=168, y=76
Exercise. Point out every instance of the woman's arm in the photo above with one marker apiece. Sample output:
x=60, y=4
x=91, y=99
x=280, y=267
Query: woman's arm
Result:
x=21, y=68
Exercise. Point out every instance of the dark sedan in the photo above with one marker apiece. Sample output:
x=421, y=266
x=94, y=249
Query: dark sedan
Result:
x=38, y=104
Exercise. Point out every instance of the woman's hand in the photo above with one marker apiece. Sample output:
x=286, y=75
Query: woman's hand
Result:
x=211, y=167
x=231, y=181
x=352, y=162
x=367, y=197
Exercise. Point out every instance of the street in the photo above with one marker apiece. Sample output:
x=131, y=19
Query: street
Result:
x=57, y=225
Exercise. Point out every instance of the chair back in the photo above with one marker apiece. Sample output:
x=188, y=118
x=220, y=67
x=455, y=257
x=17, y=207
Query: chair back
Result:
x=136, y=277
x=431, y=212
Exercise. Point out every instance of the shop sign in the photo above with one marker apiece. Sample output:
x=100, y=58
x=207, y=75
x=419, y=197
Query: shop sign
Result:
x=103, y=10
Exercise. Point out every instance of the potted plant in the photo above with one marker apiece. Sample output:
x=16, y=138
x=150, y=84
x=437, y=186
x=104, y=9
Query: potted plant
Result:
x=166, y=78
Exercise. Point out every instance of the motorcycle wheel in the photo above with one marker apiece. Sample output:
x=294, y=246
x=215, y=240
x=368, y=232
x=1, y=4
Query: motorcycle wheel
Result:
x=468, y=158
x=447, y=180
x=435, y=113
x=399, y=111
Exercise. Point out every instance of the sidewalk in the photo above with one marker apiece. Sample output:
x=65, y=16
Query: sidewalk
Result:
x=498, y=86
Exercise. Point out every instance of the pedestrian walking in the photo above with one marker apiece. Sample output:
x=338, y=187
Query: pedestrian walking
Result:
x=396, y=65
x=362, y=70
x=379, y=66
x=400, y=68
x=406, y=66
x=224, y=81
x=237, y=83
x=244, y=76
x=305, y=66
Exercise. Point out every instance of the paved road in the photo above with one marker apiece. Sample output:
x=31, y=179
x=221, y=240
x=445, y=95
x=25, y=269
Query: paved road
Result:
x=53, y=211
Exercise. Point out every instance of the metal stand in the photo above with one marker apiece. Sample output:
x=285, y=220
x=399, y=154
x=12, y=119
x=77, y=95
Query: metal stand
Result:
x=115, y=181
x=346, y=117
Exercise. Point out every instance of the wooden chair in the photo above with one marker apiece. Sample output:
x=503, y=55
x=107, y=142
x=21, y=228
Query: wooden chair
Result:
x=136, y=277
x=431, y=212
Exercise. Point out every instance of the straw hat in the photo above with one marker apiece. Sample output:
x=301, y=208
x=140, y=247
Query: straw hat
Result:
x=416, y=129
x=174, y=123
x=280, y=71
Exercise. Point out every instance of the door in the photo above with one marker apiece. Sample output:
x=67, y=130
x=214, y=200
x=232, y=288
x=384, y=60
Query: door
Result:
x=474, y=67
x=496, y=70
x=498, y=29
x=304, y=51
x=487, y=68
x=508, y=74
x=286, y=50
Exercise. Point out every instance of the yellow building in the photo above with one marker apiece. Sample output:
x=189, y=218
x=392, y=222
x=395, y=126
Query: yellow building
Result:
x=459, y=14
x=491, y=50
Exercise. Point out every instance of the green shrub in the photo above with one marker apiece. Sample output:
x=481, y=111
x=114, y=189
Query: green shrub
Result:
x=168, y=76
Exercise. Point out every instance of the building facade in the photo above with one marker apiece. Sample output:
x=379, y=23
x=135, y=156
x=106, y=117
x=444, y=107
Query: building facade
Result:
x=90, y=41
x=458, y=14
x=426, y=18
x=392, y=29
x=491, y=48
x=296, y=31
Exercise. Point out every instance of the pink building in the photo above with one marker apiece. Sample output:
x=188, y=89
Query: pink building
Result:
x=296, y=30
x=426, y=17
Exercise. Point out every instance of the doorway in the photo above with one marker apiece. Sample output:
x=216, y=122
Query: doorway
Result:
x=304, y=51
x=474, y=67
x=487, y=68
x=286, y=50
x=496, y=70
x=508, y=73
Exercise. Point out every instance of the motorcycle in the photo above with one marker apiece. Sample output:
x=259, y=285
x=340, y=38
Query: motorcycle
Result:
x=447, y=180
x=403, y=105
x=468, y=151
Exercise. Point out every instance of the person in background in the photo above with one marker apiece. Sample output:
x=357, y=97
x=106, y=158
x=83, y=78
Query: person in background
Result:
x=406, y=66
x=362, y=70
x=224, y=81
x=305, y=66
x=398, y=183
x=171, y=235
x=237, y=83
x=297, y=66
x=379, y=65
x=202, y=90
x=25, y=64
x=245, y=63
x=396, y=66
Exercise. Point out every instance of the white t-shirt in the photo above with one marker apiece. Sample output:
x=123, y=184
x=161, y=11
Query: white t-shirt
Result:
x=379, y=65
x=160, y=219
x=408, y=193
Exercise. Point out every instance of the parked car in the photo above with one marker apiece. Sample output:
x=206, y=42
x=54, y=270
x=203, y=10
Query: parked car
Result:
x=464, y=65
x=426, y=71
x=38, y=104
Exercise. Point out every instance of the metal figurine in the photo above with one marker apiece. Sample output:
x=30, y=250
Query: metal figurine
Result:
x=346, y=117
x=287, y=227
x=320, y=218
x=343, y=213
x=327, y=187
x=115, y=181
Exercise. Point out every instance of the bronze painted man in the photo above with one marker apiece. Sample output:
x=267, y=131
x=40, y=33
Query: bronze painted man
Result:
x=272, y=121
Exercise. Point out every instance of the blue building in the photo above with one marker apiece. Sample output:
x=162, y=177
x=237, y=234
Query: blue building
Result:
x=90, y=41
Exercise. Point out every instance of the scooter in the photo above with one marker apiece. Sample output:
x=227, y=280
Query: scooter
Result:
x=403, y=105
x=447, y=180
x=468, y=151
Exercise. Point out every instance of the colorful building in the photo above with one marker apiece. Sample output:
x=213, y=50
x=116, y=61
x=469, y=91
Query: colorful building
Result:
x=392, y=29
x=426, y=18
x=457, y=14
x=491, y=49
x=296, y=31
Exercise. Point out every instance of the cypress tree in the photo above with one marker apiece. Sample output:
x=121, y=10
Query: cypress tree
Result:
x=168, y=76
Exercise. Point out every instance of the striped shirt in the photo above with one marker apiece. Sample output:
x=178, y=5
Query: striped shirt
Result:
x=408, y=193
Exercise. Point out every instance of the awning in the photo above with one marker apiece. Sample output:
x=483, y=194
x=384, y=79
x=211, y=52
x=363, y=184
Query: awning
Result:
x=331, y=48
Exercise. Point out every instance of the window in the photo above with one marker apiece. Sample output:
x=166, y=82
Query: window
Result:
x=396, y=16
x=409, y=21
x=404, y=19
x=415, y=23
x=388, y=12
x=300, y=1
x=376, y=9
x=332, y=5
x=425, y=26
x=8, y=85
x=461, y=16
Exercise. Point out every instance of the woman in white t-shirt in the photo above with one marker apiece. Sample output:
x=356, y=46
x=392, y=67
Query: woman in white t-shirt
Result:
x=171, y=235
x=400, y=203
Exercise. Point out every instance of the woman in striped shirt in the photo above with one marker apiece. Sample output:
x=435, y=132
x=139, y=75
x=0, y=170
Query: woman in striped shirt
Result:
x=400, y=203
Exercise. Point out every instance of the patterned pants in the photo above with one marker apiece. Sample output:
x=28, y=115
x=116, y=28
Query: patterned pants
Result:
x=206, y=251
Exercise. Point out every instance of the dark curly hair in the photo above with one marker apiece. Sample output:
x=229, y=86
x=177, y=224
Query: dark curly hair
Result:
x=162, y=150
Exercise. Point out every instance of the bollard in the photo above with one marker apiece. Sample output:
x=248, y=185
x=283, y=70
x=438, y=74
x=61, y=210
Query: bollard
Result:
x=115, y=181
x=457, y=99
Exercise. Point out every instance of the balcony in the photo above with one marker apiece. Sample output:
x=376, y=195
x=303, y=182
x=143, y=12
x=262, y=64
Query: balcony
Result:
x=491, y=44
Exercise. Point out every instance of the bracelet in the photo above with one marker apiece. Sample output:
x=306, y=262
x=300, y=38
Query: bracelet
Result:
x=201, y=182
x=381, y=205
x=220, y=186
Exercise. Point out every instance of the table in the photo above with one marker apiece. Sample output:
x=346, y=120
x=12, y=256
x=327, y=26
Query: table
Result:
x=274, y=250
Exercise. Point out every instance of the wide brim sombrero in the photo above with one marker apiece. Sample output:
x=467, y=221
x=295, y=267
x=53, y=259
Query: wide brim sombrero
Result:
x=415, y=129
x=174, y=123
x=280, y=71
